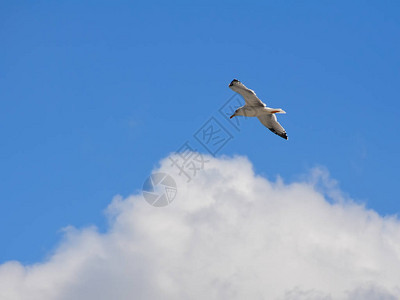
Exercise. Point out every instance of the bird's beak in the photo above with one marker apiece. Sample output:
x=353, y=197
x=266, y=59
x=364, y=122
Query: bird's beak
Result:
x=231, y=116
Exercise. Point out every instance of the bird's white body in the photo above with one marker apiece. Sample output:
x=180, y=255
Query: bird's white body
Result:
x=256, y=108
x=257, y=111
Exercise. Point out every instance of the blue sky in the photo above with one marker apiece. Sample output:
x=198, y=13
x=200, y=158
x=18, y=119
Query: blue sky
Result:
x=94, y=94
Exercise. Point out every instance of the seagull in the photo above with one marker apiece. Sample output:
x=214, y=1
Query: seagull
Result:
x=254, y=107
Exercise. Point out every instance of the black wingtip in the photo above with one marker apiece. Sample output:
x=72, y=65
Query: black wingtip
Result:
x=233, y=81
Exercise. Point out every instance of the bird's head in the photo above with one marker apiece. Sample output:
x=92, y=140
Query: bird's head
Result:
x=234, y=114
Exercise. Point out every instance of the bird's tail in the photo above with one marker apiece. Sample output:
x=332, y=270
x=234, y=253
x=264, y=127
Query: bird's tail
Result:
x=278, y=111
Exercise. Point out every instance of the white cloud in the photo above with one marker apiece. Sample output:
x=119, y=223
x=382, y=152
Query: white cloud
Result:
x=229, y=234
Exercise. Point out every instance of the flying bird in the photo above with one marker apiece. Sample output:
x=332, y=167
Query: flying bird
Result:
x=254, y=107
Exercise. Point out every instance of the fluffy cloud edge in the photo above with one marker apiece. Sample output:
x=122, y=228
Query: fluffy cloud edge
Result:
x=229, y=233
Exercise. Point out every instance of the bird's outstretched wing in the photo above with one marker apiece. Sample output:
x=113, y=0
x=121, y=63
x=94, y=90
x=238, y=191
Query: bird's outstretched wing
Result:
x=272, y=124
x=249, y=96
